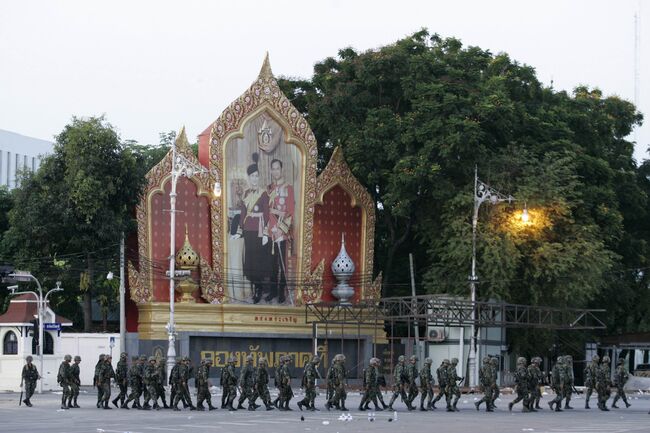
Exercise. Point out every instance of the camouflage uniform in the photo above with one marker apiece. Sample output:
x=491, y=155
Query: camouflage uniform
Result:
x=121, y=373
x=29, y=378
x=485, y=377
x=441, y=373
x=74, y=383
x=536, y=379
x=261, y=386
x=203, y=388
x=286, y=393
x=590, y=372
x=411, y=376
x=523, y=381
x=370, y=386
x=309, y=377
x=494, y=372
x=173, y=382
x=229, y=383
x=246, y=378
x=183, y=379
x=603, y=382
x=134, y=377
x=620, y=377
x=106, y=373
x=568, y=390
x=340, y=376
x=558, y=383
x=400, y=379
x=330, y=381
x=64, y=378
x=150, y=378
x=452, y=386
x=426, y=384
x=96, y=380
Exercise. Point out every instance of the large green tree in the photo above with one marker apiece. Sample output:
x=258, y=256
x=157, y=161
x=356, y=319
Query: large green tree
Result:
x=416, y=117
x=68, y=216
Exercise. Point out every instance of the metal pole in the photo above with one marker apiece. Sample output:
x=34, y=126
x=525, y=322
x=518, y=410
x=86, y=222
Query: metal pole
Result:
x=122, y=305
x=40, y=332
x=171, y=349
x=417, y=328
x=471, y=362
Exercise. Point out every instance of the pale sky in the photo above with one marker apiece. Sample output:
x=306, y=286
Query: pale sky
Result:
x=153, y=66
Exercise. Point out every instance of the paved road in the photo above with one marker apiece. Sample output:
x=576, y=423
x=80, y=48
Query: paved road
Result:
x=46, y=417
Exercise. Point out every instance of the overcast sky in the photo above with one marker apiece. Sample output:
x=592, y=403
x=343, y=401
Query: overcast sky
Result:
x=153, y=66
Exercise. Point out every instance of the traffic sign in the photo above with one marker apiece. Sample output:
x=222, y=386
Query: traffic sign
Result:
x=52, y=326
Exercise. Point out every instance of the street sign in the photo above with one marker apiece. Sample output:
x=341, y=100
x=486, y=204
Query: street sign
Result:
x=52, y=326
x=111, y=342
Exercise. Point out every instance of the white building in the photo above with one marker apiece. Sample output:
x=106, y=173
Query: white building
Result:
x=19, y=153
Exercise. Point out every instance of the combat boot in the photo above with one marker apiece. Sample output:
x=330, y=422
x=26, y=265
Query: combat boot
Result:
x=125, y=405
x=269, y=406
x=587, y=405
x=70, y=406
x=566, y=406
x=176, y=408
x=106, y=405
x=377, y=408
x=558, y=407
x=27, y=402
x=156, y=406
x=240, y=406
x=614, y=406
x=300, y=405
x=210, y=407
x=114, y=401
x=200, y=407
x=75, y=405
x=550, y=405
x=328, y=406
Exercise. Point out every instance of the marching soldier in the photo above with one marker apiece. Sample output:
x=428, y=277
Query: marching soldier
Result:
x=246, y=377
x=183, y=392
x=229, y=383
x=411, y=376
x=96, y=383
x=135, y=382
x=286, y=393
x=203, y=388
x=568, y=390
x=558, y=383
x=590, y=372
x=338, y=399
x=160, y=389
x=371, y=386
x=330, y=381
x=620, y=377
x=399, y=376
x=261, y=386
x=536, y=379
x=309, y=377
x=29, y=377
x=173, y=382
x=441, y=373
x=121, y=374
x=494, y=372
x=106, y=373
x=522, y=381
x=75, y=383
x=452, y=386
x=381, y=381
x=64, y=378
x=426, y=384
x=150, y=378
x=485, y=377
x=603, y=382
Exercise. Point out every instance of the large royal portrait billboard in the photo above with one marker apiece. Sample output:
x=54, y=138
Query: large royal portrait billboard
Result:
x=263, y=194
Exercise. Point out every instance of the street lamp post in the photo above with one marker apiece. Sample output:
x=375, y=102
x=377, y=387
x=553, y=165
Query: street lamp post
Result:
x=181, y=166
x=482, y=192
x=41, y=304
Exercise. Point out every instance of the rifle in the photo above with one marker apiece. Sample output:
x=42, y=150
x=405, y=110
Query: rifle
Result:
x=575, y=390
x=20, y=400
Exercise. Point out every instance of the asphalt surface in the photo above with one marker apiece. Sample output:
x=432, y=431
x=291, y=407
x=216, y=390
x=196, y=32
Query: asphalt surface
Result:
x=46, y=416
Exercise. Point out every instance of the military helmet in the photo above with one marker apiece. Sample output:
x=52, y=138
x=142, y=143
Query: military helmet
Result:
x=428, y=361
x=67, y=358
x=494, y=361
x=454, y=361
x=186, y=358
x=413, y=358
x=124, y=355
x=595, y=358
x=445, y=361
x=77, y=358
x=521, y=360
x=605, y=359
x=372, y=361
x=29, y=358
x=208, y=360
x=315, y=359
x=568, y=358
x=143, y=358
x=262, y=360
x=232, y=359
x=620, y=360
x=249, y=358
x=101, y=357
x=560, y=359
x=401, y=358
x=152, y=358
x=486, y=359
x=342, y=357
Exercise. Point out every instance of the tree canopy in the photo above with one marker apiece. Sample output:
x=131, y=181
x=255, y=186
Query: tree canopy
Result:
x=416, y=117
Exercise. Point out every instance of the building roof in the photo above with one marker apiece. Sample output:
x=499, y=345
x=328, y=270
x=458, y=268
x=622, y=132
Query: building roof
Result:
x=18, y=143
x=22, y=310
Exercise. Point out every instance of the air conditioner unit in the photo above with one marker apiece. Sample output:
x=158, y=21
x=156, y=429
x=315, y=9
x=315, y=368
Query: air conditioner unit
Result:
x=436, y=334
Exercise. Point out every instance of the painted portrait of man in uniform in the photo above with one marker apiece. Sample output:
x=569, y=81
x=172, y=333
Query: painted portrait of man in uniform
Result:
x=263, y=188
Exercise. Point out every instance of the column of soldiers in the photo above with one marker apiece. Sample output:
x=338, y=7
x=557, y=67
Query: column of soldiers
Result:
x=146, y=377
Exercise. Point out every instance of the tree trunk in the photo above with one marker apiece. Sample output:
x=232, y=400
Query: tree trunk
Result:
x=87, y=305
x=395, y=244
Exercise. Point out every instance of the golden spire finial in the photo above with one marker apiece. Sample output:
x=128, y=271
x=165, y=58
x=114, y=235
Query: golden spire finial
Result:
x=181, y=138
x=266, y=72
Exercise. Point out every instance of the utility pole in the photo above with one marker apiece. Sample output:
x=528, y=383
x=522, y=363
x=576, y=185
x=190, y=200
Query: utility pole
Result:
x=417, y=328
x=122, y=300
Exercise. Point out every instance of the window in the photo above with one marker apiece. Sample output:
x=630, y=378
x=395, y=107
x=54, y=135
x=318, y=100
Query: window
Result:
x=10, y=344
x=48, y=349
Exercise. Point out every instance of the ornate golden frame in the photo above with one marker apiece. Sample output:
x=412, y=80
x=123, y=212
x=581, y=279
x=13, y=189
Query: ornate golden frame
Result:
x=265, y=95
x=337, y=172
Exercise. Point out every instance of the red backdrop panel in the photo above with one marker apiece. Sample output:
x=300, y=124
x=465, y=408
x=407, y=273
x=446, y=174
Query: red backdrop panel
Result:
x=335, y=216
x=195, y=213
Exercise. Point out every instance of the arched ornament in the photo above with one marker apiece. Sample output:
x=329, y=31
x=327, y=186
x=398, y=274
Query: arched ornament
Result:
x=338, y=173
x=141, y=280
x=264, y=95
